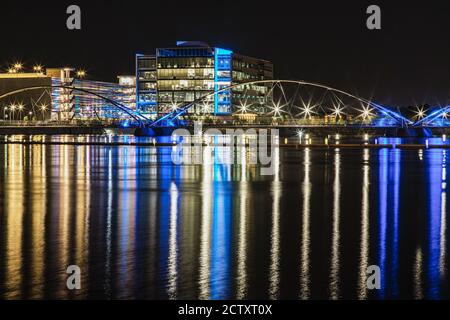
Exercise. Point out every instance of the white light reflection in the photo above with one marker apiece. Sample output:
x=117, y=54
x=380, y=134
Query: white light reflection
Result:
x=364, y=248
x=418, y=288
x=274, y=280
x=173, y=250
x=305, y=241
x=242, y=243
x=205, y=227
x=335, y=249
x=109, y=209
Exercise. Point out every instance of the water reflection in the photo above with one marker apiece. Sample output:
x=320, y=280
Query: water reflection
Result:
x=173, y=246
x=205, y=226
x=242, y=279
x=435, y=160
x=388, y=208
x=14, y=185
x=364, y=246
x=336, y=232
x=275, y=233
x=140, y=226
x=305, y=238
x=443, y=231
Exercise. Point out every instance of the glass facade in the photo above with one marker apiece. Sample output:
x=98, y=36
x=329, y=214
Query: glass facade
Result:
x=174, y=77
x=146, y=84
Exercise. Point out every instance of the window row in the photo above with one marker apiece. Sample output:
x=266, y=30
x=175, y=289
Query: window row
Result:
x=207, y=73
x=186, y=85
x=197, y=62
x=182, y=96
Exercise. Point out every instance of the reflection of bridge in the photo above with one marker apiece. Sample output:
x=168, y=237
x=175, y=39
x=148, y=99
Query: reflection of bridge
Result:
x=288, y=102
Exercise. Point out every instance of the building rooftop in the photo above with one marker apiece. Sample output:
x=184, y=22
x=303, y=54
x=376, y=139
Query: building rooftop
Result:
x=201, y=44
x=21, y=75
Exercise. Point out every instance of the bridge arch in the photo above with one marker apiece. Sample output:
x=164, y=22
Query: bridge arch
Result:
x=440, y=112
x=183, y=109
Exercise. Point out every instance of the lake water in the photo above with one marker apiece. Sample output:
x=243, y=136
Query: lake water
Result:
x=139, y=226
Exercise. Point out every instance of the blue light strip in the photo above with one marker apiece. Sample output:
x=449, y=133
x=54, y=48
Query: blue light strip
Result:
x=218, y=52
x=433, y=116
x=216, y=96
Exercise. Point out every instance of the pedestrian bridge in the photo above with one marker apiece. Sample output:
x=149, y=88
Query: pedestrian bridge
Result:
x=285, y=102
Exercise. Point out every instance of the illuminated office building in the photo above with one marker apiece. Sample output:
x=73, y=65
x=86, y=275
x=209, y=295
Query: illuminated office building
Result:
x=127, y=91
x=89, y=102
x=173, y=77
x=56, y=102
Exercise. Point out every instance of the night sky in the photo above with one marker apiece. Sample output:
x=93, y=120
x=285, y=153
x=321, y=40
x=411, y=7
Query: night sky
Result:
x=405, y=63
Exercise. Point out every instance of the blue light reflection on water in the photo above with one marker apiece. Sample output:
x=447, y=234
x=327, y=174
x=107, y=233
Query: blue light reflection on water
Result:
x=221, y=228
x=434, y=173
x=383, y=205
x=396, y=160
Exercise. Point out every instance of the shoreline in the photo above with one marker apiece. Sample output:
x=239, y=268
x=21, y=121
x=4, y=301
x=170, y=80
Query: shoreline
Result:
x=288, y=145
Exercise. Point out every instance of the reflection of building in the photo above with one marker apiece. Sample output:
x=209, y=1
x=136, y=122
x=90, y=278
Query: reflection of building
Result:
x=176, y=76
x=28, y=105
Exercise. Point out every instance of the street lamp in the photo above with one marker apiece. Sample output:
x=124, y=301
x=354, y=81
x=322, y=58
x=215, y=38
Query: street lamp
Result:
x=18, y=66
x=43, y=108
x=174, y=106
x=12, y=109
x=20, y=107
x=81, y=74
x=37, y=68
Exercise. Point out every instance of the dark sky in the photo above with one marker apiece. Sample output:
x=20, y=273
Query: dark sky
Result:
x=405, y=63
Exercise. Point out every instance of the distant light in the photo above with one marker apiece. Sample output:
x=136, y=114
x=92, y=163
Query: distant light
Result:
x=307, y=110
x=205, y=107
x=81, y=73
x=243, y=107
x=37, y=68
x=337, y=111
x=18, y=66
x=420, y=113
